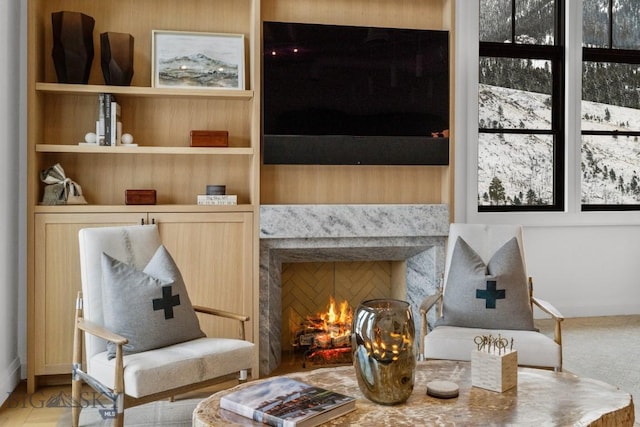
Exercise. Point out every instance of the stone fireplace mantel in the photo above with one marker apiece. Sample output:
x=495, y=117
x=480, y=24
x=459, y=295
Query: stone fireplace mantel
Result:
x=332, y=233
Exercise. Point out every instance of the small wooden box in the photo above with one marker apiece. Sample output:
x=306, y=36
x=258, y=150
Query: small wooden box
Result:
x=140, y=197
x=209, y=138
x=494, y=372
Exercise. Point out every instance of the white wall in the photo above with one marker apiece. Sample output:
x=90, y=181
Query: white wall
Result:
x=584, y=263
x=586, y=270
x=10, y=246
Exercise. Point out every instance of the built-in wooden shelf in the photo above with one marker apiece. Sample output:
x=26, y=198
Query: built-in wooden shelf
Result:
x=141, y=208
x=121, y=149
x=139, y=91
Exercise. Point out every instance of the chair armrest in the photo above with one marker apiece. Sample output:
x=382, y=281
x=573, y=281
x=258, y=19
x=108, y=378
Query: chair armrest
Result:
x=548, y=308
x=221, y=313
x=557, y=317
x=429, y=302
x=425, y=306
x=100, y=332
x=226, y=314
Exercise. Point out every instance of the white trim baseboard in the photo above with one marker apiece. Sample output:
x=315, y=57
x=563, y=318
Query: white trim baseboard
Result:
x=9, y=379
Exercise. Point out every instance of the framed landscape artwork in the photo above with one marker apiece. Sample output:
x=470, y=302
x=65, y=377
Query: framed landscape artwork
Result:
x=193, y=60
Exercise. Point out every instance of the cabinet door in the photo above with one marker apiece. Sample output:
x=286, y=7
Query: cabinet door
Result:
x=214, y=253
x=56, y=285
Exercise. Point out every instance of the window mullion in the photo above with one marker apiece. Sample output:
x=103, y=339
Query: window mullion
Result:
x=513, y=21
x=573, y=105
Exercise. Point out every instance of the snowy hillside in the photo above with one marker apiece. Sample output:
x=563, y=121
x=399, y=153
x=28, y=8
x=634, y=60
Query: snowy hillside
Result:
x=523, y=163
x=198, y=70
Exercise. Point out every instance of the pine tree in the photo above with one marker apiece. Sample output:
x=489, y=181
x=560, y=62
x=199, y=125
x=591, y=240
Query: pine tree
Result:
x=496, y=190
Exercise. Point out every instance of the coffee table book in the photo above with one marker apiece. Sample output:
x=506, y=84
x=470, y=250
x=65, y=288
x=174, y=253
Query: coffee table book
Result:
x=287, y=402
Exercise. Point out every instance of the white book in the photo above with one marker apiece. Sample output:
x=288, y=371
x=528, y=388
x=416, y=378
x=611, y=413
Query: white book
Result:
x=100, y=121
x=228, y=199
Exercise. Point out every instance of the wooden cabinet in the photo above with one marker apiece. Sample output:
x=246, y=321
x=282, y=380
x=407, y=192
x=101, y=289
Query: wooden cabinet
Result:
x=209, y=248
x=56, y=285
x=223, y=239
x=213, y=251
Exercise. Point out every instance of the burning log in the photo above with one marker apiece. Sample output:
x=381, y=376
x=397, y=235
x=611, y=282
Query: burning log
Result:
x=326, y=337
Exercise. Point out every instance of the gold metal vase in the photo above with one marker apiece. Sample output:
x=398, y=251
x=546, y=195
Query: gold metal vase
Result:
x=382, y=343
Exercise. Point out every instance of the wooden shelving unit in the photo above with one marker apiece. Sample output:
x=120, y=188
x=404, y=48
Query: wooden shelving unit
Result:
x=215, y=246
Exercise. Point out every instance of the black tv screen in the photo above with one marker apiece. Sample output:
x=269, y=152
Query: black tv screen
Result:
x=346, y=95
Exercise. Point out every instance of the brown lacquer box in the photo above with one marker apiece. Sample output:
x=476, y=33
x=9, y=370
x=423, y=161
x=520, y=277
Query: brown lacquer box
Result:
x=209, y=138
x=140, y=197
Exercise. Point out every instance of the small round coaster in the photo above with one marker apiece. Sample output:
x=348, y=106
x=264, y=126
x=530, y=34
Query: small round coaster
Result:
x=442, y=389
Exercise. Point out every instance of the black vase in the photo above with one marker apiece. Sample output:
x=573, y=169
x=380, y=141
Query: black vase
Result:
x=116, y=58
x=72, y=46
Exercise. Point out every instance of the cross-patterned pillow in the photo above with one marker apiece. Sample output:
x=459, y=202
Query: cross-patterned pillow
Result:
x=150, y=308
x=491, y=296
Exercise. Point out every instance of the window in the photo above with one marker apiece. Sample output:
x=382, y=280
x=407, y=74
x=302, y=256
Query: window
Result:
x=521, y=106
x=610, y=109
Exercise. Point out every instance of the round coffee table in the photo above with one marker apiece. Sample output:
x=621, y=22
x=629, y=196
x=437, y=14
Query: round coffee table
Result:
x=541, y=398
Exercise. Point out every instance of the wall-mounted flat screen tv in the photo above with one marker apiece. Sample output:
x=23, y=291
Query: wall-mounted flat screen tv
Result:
x=348, y=95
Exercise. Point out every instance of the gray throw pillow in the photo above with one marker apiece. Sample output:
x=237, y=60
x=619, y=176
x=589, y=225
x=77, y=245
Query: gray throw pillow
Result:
x=150, y=308
x=492, y=296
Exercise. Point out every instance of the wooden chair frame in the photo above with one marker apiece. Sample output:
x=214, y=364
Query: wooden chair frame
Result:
x=118, y=397
x=436, y=300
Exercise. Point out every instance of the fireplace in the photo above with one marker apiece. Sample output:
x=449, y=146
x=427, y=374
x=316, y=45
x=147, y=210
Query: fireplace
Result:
x=412, y=236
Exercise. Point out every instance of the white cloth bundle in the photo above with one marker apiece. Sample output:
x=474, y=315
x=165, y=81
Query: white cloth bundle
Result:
x=60, y=190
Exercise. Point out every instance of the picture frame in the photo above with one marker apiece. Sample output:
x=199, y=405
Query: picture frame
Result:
x=197, y=60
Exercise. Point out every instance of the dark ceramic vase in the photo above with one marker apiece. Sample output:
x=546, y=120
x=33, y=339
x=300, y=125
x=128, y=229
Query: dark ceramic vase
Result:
x=72, y=46
x=116, y=58
x=382, y=342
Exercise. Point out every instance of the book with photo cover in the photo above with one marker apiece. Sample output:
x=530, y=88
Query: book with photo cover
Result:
x=286, y=402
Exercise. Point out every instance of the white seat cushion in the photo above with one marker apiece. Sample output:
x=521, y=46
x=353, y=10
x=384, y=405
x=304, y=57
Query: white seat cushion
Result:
x=174, y=366
x=456, y=343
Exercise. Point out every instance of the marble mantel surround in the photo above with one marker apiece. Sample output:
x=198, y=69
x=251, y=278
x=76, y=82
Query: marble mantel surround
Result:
x=334, y=233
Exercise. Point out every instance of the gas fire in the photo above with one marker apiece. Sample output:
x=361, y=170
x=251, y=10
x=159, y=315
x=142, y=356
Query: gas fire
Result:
x=326, y=337
x=336, y=323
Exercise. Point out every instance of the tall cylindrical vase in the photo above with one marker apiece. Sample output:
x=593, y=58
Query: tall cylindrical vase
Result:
x=382, y=342
x=72, y=46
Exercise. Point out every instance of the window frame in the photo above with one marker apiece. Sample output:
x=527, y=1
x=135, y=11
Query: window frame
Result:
x=463, y=201
x=555, y=55
x=608, y=55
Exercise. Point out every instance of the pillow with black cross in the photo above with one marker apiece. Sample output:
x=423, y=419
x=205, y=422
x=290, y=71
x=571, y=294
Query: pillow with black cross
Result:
x=489, y=296
x=150, y=308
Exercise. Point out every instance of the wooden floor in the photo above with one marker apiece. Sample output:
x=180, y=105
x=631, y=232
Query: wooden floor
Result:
x=23, y=410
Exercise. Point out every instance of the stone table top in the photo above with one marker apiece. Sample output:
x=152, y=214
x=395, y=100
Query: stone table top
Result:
x=541, y=398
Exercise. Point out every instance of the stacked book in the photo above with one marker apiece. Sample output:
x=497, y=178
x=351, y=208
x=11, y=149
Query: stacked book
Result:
x=217, y=199
x=108, y=132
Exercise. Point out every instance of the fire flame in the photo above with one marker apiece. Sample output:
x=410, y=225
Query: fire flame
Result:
x=337, y=318
x=326, y=336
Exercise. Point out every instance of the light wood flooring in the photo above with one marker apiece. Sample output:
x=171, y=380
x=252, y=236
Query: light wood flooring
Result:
x=23, y=410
